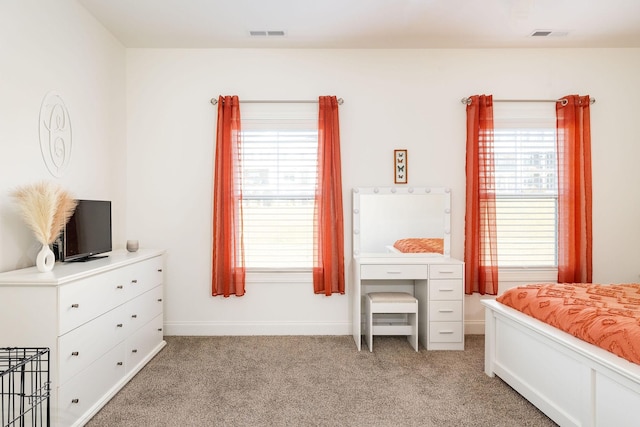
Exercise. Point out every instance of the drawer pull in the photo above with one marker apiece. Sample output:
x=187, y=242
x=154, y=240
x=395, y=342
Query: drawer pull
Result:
x=119, y=287
x=445, y=332
x=75, y=353
x=134, y=316
x=119, y=363
x=134, y=281
x=159, y=329
x=159, y=299
x=119, y=325
x=445, y=290
x=446, y=271
x=394, y=272
x=134, y=351
x=445, y=310
x=159, y=270
x=75, y=305
x=75, y=400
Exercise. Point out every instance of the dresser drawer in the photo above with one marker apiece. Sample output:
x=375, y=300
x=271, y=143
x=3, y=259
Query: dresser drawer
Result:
x=139, y=345
x=445, y=271
x=393, y=271
x=82, y=346
x=83, y=391
x=87, y=299
x=143, y=308
x=448, y=311
x=143, y=276
x=445, y=332
x=440, y=289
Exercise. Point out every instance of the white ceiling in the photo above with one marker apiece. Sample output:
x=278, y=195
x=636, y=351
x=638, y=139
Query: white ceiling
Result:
x=370, y=23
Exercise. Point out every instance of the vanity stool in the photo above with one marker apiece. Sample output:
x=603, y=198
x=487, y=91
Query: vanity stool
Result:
x=392, y=302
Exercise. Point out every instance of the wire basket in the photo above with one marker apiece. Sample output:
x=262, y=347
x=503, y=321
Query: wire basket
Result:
x=24, y=387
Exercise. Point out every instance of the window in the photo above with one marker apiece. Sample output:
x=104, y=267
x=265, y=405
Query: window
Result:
x=526, y=184
x=279, y=158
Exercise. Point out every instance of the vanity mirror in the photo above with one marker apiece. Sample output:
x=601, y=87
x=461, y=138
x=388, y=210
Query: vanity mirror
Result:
x=384, y=215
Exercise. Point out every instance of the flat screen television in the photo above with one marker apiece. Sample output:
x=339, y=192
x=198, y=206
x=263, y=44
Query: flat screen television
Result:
x=88, y=232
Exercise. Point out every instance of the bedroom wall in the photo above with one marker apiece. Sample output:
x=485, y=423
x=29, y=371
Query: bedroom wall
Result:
x=393, y=99
x=58, y=46
x=160, y=180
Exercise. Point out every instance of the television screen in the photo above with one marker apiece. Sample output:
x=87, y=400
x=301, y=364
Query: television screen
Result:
x=88, y=232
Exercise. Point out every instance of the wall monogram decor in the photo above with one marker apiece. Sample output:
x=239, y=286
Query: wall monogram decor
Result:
x=55, y=134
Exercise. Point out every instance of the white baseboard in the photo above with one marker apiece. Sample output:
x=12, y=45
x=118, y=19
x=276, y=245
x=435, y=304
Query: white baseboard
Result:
x=474, y=327
x=255, y=328
x=471, y=327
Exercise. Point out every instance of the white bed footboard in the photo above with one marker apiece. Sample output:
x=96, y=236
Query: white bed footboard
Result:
x=573, y=382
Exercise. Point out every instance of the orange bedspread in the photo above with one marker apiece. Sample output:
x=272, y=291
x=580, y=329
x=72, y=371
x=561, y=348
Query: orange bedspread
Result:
x=605, y=315
x=420, y=245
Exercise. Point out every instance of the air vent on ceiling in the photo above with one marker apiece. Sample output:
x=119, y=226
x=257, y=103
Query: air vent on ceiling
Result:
x=549, y=33
x=267, y=33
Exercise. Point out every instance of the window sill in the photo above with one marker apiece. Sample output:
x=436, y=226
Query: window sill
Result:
x=279, y=276
x=506, y=274
x=528, y=274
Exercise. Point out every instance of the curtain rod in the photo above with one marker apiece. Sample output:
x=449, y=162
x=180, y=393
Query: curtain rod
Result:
x=214, y=101
x=564, y=101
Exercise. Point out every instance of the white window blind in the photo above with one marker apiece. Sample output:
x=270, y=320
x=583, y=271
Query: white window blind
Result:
x=279, y=157
x=526, y=184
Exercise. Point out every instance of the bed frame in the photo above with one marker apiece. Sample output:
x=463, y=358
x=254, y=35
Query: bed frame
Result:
x=573, y=382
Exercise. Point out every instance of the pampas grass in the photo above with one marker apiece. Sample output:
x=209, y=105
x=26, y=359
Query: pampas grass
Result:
x=46, y=208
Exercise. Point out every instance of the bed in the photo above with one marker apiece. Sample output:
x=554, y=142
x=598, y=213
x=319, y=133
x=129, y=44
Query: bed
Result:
x=574, y=382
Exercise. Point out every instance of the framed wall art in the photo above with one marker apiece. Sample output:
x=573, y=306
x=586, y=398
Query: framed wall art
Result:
x=400, y=166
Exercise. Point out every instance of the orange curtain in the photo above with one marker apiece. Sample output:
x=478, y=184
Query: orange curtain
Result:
x=328, y=223
x=480, y=246
x=228, y=269
x=575, y=240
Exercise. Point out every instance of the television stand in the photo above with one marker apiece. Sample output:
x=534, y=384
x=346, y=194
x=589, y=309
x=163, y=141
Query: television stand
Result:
x=87, y=258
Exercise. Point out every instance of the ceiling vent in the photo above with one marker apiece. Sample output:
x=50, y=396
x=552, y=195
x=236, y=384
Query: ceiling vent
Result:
x=267, y=33
x=549, y=33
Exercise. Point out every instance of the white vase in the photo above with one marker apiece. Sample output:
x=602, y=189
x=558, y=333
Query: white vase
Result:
x=45, y=259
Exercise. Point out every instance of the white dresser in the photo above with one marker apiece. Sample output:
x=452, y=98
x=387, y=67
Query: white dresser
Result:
x=101, y=319
x=437, y=283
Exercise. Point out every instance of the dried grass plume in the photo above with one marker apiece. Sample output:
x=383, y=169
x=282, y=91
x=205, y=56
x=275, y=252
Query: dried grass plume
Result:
x=46, y=208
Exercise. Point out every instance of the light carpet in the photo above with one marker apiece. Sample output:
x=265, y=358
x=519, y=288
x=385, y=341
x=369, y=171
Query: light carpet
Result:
x=315, y=381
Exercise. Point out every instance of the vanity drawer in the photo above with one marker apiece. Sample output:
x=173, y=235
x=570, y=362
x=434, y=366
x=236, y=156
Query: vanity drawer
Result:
x=393, y=271
x=445, y=311
x=445, y=271
x=440, y=289
x=445, y=332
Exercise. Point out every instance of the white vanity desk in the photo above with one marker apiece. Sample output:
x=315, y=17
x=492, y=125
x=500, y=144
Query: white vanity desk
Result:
x=383, y=215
